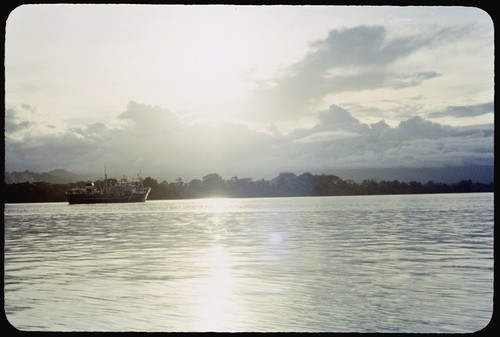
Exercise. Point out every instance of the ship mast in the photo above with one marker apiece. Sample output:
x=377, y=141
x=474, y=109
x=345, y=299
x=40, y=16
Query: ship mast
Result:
x=139, y=179
x=105, y=180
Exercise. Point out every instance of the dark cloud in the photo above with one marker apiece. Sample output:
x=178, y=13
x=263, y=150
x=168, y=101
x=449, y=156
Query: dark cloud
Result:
x=341, y=141
x=363, y=46
x=336, y=116
x=419, y=128
x=465, y=111
x=400, y=82
x=358, y=58
x=14, y=124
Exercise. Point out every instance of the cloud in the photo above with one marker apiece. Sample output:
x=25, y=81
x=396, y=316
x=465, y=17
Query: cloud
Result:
x=156, y=142
x=465, y=111
x=412, y=80
x=336, y=117
x=26, y=122
x=418, y=128
x=325, y=136
x=146, y=117
x=352, y=59
x=339, y=140
x=151, y=139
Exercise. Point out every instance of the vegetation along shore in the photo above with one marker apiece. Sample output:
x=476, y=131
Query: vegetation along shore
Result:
x=284, y=185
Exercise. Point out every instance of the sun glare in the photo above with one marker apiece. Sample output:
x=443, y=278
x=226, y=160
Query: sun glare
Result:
x=209, y=66
x=217, y=205
x=217, y=307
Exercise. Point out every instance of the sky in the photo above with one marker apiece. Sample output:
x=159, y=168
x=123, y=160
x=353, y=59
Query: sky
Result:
x=250, y=91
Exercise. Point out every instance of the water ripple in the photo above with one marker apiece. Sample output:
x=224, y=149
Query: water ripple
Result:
x=342, y=264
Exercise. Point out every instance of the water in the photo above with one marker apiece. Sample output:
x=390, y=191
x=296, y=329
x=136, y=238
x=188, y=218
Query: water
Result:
x=413, y=263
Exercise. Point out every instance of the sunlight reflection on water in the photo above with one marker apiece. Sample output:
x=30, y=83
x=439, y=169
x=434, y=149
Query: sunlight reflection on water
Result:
x=217, y=302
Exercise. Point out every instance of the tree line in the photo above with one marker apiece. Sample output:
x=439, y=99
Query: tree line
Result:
x=284, y=185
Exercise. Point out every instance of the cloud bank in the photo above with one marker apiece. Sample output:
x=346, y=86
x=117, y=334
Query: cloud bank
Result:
x=158, y=143
x=350, y=60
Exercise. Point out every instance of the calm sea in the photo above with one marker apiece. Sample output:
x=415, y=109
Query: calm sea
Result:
x=411, y=263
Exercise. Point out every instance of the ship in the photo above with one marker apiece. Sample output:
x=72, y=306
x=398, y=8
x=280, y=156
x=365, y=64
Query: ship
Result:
x=122, y=192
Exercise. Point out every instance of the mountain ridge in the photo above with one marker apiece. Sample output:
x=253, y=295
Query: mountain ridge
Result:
x=56, y=176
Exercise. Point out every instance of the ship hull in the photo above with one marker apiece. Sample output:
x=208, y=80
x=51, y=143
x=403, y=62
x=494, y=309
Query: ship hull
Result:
x=84, y=199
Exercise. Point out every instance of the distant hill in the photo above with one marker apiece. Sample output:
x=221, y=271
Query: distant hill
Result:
x=447, y=175
x=57, y=176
